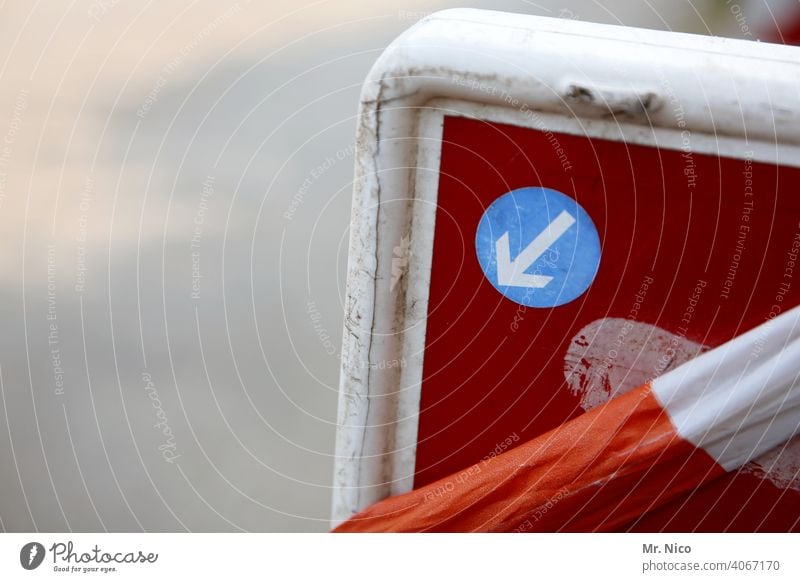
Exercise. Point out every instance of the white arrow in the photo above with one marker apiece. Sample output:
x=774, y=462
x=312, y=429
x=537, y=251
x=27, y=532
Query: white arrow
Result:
x=512, y=273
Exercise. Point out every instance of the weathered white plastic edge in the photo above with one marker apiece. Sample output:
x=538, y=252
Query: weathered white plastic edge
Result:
x=605, y=80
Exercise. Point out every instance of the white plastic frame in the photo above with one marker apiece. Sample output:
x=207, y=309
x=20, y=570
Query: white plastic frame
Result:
x=639, y=86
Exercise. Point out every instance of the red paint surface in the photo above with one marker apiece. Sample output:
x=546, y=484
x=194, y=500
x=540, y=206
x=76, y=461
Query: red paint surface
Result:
x=787, y=31
x=494, y=369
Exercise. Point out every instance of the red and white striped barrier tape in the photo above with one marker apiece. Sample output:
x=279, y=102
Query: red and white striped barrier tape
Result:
x=620, y=460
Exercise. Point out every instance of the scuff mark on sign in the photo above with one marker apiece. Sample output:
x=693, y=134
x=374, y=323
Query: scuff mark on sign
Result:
x=780, y=466
x=612, y=356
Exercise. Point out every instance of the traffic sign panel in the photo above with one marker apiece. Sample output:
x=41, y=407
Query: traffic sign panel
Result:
x=492, y=172
x=664, y=298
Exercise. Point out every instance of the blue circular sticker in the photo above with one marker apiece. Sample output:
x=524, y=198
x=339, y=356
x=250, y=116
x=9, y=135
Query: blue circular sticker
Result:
x=538, y=247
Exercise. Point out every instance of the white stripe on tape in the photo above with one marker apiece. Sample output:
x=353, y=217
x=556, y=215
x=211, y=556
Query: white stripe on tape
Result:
x=741, y=399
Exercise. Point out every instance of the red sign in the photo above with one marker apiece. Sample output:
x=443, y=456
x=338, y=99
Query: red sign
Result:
x=696, y=249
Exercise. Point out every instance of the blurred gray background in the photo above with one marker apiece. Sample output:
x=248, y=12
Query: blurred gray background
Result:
x=175, y=182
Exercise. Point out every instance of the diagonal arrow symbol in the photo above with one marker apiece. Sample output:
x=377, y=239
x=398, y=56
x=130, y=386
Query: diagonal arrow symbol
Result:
x=512, y=273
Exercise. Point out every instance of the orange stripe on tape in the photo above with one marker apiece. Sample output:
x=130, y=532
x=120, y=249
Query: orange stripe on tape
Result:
x=597, y=472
